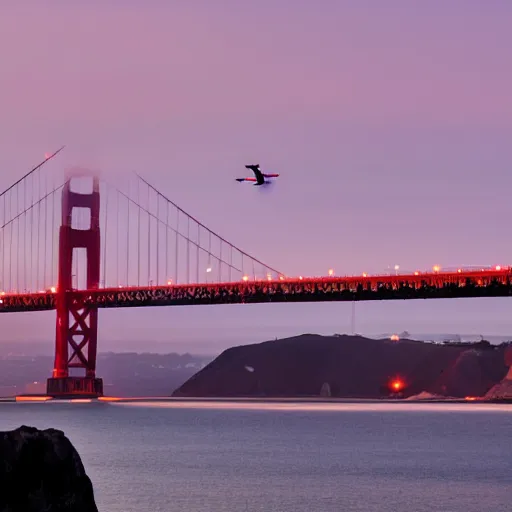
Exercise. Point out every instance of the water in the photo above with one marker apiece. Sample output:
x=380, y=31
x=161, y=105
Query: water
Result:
x=192, y=457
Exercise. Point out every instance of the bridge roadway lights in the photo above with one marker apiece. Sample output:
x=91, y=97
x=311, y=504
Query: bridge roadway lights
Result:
x=74, y=387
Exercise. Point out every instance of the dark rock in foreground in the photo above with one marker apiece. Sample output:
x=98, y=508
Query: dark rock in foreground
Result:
x=40, y=471
x=348, y=367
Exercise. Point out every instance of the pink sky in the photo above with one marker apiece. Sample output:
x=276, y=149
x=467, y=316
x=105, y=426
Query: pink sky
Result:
x=390, y=125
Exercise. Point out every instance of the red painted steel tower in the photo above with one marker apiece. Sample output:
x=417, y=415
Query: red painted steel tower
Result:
x=77, y=322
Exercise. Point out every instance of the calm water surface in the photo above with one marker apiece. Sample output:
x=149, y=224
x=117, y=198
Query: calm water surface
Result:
x=215, y=457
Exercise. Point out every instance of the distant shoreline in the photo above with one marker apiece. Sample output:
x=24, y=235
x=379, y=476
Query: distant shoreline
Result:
x=263, y=400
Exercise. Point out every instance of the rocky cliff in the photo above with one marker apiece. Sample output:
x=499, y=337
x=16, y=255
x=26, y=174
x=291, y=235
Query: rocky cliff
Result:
x=349, y=367
x=40, y=471
x=503, y=389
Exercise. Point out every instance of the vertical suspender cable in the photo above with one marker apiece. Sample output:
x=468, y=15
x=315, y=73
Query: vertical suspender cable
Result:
x=53, y=283
x=230, y=261
x=158, y=239
x=209, y=251
x=149, y=240
x=25, y=236
x=18, y=248
x=197, y=251
x=118, y=263
x=38, y=226
x=32, y=232
x=177, y=243
x=10, y=243
x=45, y=229
x=138, y=241
x=167, y=241
x=220, y=262
x=128, y=238
x=188, y=250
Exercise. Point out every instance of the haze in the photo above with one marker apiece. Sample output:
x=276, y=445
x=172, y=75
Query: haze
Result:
x=390, y=125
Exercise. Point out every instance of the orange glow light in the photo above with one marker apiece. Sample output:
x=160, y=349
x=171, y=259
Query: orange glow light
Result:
x=33, y=398
x=246, y=278
x=397, y=385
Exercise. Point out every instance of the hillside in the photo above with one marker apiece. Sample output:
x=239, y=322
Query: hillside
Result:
x=352, y=366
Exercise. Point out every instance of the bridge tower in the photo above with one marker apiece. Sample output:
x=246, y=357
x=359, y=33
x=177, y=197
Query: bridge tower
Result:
x=77, y=321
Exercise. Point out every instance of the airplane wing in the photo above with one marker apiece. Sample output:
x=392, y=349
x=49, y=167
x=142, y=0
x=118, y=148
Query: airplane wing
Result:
x=260, y=179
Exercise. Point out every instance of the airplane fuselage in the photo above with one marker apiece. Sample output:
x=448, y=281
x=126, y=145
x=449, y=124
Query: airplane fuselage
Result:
x=260, y=178
x=255, y=181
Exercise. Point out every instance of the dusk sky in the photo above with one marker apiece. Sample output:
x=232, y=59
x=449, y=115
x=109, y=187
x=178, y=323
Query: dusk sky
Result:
x=389, y=122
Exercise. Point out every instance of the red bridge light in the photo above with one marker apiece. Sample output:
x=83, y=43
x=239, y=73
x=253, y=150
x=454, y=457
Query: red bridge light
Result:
x=397, y=385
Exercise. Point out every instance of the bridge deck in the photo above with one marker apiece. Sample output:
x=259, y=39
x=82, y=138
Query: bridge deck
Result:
x=486, y=283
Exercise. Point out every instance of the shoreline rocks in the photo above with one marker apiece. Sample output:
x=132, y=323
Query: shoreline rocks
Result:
x=40, y=470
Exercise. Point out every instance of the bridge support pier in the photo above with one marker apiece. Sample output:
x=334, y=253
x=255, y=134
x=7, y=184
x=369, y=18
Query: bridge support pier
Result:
x=84, y=387
x=77, y=322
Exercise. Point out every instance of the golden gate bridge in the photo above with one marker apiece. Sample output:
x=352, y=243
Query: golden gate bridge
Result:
x=76, y=244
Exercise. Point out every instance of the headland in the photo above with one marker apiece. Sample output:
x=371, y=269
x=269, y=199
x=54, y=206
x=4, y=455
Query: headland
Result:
x=351, y=367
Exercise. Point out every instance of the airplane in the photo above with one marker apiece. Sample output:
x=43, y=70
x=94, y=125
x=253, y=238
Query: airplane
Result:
x=260, y=178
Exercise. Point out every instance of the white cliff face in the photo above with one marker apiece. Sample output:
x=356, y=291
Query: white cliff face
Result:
x=503, y=390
